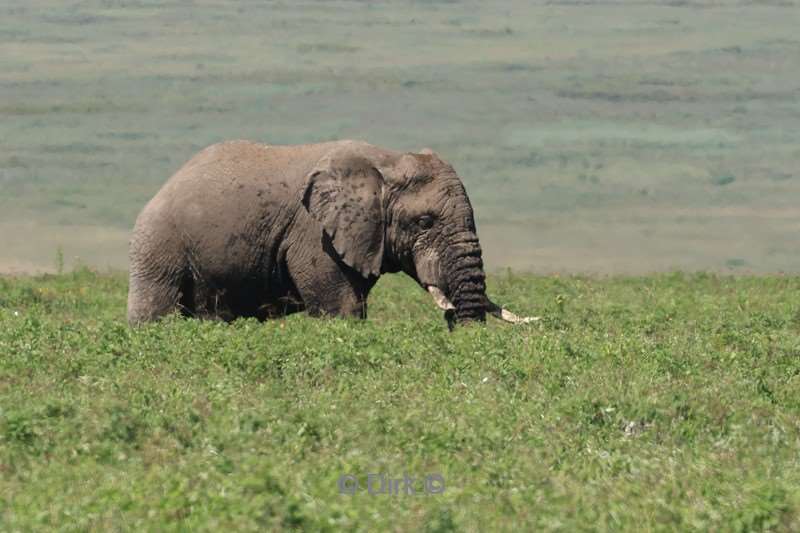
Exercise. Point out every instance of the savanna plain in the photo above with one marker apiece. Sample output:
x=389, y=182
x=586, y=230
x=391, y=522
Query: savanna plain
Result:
x=638, y=160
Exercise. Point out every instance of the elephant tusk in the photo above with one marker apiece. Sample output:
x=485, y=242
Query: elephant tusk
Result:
x=504, y=314
x=500, y=312
x=440, y=299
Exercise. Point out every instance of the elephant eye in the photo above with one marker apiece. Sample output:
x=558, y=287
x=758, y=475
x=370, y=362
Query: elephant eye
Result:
x=425, y=222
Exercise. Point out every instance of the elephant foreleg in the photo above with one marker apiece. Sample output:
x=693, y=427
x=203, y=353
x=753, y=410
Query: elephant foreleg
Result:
x=326, y=286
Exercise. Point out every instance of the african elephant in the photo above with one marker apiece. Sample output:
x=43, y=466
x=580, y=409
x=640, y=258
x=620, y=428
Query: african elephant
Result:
x=247, y=229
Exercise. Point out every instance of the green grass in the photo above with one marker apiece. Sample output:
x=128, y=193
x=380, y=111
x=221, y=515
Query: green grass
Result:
x=632, y=136
x=638, y=403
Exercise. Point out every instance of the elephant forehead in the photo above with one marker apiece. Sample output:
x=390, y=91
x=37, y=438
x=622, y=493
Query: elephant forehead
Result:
x=420, y=168
x=444, y=189
x=439, y=195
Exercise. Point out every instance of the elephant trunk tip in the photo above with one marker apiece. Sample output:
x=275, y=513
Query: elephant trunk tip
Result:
x=469, y=297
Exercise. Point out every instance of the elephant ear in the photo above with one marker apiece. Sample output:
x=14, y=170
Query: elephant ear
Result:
x=344, y=195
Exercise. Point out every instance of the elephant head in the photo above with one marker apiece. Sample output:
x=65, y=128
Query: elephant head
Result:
x=390, y=212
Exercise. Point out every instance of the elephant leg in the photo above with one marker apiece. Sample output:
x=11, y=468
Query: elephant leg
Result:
x=327, y=286
x=159, y=282
x=149, y=299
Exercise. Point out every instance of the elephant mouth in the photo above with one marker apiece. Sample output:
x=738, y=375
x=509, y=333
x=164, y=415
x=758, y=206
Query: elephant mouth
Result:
x=443, y=302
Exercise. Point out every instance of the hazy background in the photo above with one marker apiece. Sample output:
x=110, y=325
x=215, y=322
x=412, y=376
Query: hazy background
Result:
x=602, y=137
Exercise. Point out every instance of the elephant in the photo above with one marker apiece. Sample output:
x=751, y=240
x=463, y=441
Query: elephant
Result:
x=246, y=229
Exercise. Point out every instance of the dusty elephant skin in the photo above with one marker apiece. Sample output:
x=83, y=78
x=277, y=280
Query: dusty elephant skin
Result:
x=249, y=230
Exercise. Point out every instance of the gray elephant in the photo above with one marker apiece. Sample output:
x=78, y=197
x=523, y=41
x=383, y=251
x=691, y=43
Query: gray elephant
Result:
x=250, y=230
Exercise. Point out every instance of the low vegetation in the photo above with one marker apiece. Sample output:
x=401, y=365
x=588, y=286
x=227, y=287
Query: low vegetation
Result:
x=652, y=403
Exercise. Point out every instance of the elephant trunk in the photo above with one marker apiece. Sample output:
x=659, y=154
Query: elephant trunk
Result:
x=466, y=280
x=464, y=298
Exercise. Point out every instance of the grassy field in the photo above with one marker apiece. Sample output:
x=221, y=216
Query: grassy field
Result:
x=621, y=137
x=654, y=403
x=607, y=136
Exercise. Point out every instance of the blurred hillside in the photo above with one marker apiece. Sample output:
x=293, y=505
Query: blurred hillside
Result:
x=607, y=137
